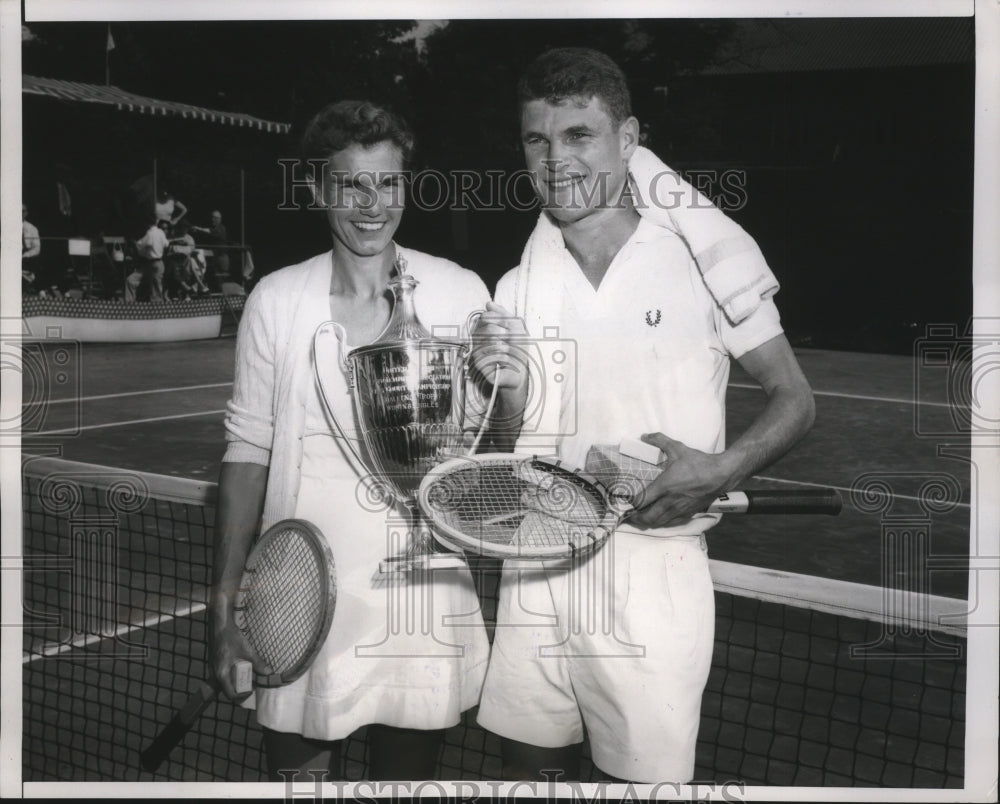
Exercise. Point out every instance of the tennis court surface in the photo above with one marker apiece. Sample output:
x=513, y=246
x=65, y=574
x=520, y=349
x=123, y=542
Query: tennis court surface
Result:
x=840, y=642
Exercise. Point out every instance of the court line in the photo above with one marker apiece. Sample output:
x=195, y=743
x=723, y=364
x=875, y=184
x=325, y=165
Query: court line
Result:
x=864, y=397
x=66, y=430
x=130, y=393
x=840, y=488
x=122, y=630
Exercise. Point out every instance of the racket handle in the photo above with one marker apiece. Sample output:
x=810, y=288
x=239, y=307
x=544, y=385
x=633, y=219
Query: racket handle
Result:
x=173, y=733
x=430, y=561
x=166, y=740
x=813, y=501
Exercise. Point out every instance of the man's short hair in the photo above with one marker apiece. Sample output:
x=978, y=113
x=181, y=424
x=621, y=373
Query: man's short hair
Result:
x=577, y=72
x=350, y=122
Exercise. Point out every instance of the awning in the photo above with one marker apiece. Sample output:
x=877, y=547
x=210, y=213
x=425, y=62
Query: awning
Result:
x=127, y=101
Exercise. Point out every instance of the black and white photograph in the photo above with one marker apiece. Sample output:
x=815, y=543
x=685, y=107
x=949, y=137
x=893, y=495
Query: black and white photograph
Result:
x=592, y=402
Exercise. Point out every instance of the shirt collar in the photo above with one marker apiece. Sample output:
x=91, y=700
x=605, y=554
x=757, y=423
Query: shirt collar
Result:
x=649, y=232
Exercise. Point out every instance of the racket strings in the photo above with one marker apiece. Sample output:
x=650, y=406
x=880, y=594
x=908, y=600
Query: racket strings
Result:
x=517, y=502
x=283, y=602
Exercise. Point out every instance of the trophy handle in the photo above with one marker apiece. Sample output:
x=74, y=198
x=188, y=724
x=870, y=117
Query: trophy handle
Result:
x=473, y=321
x=341, y=335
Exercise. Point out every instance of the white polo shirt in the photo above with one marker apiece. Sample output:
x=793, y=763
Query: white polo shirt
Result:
x=652, y=349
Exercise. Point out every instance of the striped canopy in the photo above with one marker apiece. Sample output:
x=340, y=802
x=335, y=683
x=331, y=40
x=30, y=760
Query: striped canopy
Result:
x=128, y=101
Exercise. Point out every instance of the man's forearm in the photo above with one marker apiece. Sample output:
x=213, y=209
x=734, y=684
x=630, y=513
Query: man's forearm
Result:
x=786, y=418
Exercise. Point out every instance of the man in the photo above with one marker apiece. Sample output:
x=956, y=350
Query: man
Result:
x=185, y=275
x=216, y=235
x=152, y=246
x=31, y=247
x=654, y=331
x=169, y=209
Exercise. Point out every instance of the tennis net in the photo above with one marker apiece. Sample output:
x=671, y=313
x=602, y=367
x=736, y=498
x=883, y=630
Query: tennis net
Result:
x=814, y=682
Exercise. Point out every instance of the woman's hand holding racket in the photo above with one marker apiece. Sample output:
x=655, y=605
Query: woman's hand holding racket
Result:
x=230, y=655
x=281, y=615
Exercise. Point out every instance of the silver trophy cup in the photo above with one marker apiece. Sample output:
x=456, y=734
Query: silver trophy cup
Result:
x=408, y=389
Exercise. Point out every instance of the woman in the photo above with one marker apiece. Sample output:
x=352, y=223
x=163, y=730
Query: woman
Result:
x=283, y=460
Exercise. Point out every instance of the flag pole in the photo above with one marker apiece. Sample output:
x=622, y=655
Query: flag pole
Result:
x=243, y=253
x=109, y=45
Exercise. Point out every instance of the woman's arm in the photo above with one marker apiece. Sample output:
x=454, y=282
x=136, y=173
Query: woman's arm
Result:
x=243, y=478
x=241, y=502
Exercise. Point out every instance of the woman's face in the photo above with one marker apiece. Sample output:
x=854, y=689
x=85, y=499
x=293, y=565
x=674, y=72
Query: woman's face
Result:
x=363, y=193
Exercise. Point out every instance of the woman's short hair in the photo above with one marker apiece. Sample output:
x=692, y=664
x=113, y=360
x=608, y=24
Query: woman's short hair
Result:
x=577, y=72
x=352, y=122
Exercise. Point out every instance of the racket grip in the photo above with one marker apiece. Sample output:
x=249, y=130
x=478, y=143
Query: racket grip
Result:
x=430, y=561
x=811, y=501
x=166, y=740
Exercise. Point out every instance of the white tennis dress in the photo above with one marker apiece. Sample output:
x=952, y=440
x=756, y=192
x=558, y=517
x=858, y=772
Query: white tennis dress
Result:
x=406, y=650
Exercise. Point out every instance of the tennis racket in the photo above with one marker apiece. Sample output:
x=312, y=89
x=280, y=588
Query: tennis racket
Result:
x=538, y=508
x=283, y=608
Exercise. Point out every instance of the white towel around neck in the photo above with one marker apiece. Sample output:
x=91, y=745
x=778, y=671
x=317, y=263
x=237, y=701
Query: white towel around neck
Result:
x=731, y=264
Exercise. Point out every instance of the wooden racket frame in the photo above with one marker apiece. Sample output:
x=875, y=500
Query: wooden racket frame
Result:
x=321, y=549
x=820, y=500
x=456, y=540
x=207, y=692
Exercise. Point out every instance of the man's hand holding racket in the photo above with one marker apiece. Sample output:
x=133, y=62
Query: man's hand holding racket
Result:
x=688, y=485
x=494, y=342
x=500, y=361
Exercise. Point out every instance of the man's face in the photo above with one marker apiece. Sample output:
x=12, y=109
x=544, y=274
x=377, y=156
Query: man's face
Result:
x=362, y=191
x=577, y=155
x=216, y=218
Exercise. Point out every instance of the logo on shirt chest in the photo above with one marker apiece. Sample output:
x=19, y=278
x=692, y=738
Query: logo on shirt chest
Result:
x=653, y=321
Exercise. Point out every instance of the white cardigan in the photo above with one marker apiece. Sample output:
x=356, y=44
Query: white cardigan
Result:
x=265, y=419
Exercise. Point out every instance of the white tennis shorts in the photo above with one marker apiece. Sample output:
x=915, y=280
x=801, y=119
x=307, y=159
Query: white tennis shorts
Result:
x=620, y=644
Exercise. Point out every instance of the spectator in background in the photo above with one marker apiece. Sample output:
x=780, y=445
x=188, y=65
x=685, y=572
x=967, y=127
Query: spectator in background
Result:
x=152, y=247
x=133, y=281
x=185, y=274
x=31, y=248
x=216, y=236
x=169, y=209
